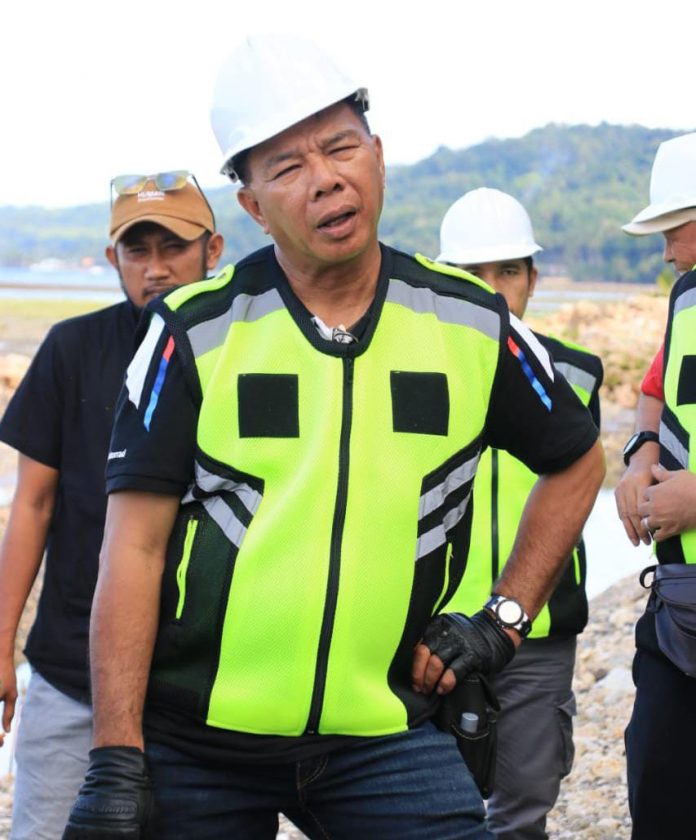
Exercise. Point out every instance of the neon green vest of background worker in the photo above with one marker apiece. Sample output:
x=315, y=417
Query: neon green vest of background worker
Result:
x=307, y=450
x=678, y=421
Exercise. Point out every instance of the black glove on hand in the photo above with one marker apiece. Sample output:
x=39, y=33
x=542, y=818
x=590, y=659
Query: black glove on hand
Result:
x=116, y=798
x=469, y=644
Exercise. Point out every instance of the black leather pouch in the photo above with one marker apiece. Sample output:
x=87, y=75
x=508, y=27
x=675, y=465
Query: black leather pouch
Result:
x=474, y=696
x=673, y=601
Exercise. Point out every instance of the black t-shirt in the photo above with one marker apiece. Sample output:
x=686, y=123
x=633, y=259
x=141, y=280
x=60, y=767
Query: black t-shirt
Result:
x=533, y=413
x=61, y=415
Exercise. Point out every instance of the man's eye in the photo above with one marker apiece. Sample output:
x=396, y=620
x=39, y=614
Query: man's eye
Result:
x=343, y=149
x=286, y=170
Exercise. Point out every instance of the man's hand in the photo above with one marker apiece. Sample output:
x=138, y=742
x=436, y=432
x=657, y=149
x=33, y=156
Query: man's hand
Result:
x=8, y=694
x=116, y=798
x=630, y=491
x=669, y=507
x=454, y=645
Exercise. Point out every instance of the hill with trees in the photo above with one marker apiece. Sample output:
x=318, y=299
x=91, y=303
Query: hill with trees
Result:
x=580, y=184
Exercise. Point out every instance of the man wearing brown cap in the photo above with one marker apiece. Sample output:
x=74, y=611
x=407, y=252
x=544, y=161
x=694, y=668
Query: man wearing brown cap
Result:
x=59, y=420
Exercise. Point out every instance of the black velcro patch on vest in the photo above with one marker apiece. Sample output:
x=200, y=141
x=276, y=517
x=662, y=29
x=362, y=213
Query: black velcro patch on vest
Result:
x=268, y=405
x=686, y=390
x=420, y=402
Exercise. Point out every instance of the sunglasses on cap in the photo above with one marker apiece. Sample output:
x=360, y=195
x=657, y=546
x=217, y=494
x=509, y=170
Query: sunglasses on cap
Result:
x=164, y=181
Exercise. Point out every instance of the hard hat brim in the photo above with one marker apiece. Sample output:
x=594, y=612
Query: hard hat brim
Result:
x=488, y=254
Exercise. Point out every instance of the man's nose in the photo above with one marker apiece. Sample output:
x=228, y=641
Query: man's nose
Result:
x=156, y=265
x=326, y=177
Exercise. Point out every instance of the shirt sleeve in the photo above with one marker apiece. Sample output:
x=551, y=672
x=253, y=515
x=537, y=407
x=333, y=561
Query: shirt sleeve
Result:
x=534, y=413
x=33, y=421
x=653, y=383
x=154, y=436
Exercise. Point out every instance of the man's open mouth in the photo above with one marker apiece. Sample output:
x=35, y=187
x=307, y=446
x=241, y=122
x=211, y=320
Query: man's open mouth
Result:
x=336, y=221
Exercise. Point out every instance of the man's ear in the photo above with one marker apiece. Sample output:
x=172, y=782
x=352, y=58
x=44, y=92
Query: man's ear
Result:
x=110, y=254
x=379, y=151
x=215, y=245
x=247, y=198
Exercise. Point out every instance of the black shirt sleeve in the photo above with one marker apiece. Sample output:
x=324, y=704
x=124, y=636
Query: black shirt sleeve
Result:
x=33, y=421
x=154, y=437
x=534, y=413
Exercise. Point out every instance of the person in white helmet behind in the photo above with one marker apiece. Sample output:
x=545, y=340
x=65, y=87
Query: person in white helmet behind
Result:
x=292, y=463
x=489, y=233
x=656, y=501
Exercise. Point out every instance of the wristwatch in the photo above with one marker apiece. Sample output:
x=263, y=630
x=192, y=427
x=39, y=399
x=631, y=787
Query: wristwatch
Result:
x=509, y=614
x=636, y=441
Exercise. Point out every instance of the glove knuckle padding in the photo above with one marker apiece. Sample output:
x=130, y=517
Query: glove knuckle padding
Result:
x=116, y=798
x=469, y=644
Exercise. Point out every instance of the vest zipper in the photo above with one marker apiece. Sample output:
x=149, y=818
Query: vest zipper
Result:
x=335, y=555
x=495, y=542
x=182, y=568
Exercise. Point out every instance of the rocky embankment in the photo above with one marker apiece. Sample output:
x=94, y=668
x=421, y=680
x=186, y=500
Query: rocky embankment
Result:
x=592, y=805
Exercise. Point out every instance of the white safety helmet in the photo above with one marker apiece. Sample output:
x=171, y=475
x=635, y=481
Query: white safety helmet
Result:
x=268, y=84
x=486, y=225
x=672, y=188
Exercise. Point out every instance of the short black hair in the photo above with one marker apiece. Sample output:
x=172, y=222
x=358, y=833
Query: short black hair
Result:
x=529, y=262
x=240, y=162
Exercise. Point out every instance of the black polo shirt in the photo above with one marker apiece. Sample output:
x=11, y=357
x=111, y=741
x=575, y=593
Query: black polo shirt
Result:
x=61, y=415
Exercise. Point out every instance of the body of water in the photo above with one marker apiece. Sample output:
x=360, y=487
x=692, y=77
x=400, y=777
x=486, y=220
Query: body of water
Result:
x=61, y=284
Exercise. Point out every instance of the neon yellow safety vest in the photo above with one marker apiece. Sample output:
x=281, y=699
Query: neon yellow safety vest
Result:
x=502, y=486
x=330, y=482
x=678, y=422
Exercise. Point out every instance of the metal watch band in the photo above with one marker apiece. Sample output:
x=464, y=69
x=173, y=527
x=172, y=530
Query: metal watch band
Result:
x=522, y=625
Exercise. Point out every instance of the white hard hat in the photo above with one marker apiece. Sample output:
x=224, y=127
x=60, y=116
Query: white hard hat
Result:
x=486, y=225
x=672, y=187
x=270, y=83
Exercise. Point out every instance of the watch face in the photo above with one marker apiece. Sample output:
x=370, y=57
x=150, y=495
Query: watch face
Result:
x=509, y=612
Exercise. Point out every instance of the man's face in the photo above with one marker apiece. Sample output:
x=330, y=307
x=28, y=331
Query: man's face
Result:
x=150, y=259
x=317, y=188
x=512, y=278
x=680, y=247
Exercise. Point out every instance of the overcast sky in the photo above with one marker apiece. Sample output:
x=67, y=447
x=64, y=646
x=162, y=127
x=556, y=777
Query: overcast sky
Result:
x=90, y=89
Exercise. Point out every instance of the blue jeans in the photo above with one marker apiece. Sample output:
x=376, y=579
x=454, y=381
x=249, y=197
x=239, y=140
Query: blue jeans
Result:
x=409, y=786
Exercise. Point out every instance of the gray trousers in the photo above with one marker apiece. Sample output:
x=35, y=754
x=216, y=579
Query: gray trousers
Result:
x=53, y=740
x=535, y=738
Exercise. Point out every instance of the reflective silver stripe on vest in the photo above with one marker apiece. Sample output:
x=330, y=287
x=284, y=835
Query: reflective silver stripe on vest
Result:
x=685, y=300
x=577, y=376
x=210, y=334
x=677, y=449
x=437, y=536
x=212, y=483
x=225, y=517
x=435, y=498
x=448, y=310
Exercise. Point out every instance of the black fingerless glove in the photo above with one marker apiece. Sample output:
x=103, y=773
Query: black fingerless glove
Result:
x=469, y=644
x=115, y=800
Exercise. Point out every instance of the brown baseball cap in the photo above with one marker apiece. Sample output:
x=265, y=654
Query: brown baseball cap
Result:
x=184, y=211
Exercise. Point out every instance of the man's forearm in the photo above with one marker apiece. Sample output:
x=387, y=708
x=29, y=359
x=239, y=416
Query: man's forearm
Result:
x=23, y=544
x=20, y=559
x=125, y=614
x=550, y=528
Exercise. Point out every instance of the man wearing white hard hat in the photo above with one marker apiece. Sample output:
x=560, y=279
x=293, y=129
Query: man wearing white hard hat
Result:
x=288, y=513
x=656, y=500
x=489, y=233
